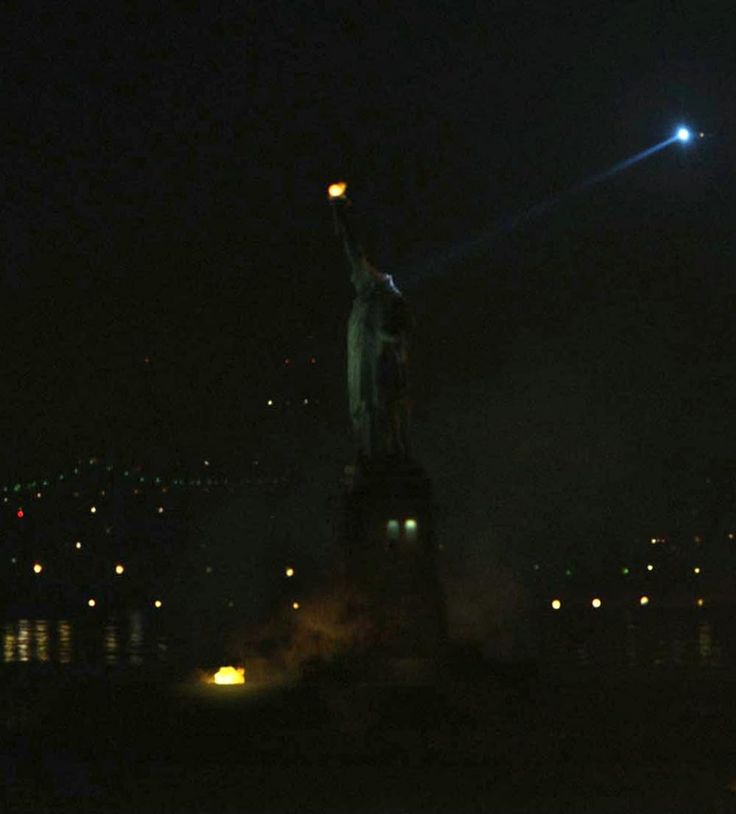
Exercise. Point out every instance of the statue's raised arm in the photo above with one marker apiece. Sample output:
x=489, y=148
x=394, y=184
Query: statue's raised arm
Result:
x=361, y=271
x=378, y=332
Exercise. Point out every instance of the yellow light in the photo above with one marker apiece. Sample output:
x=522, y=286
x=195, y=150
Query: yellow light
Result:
x=650, y=567
x=556, y=604
x=37, y=568
x=158, y=603
x=696, y=570
x=93, y=510
x=596, y=603
x=119, y=569
x=337, y=190
x=700, y=602
x=289, y=572
x=91, y=603
x=295, y=605
x=77, y=545
x=229, y=675
x=270, y=402
x=644, y=600
x=654, y=540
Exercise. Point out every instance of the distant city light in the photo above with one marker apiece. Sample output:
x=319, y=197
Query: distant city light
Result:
x=596, y=603
x=39, y=495
x=683, y=134
x=625, y=571
x=306, y=401
x=654, y=540
x=295, y=605
x=119, y=569
x=643, y=600
x=650, y=567
x=93, y=510
x=78, y=545
x=556, y=604
x=37, y=568
x=160, y=510
x=157, y=603
x=700, y=602
x=289, y=572
x=270, y=402
x=696, y=570
x=206, y=463
x=568, y=572
x=91, y=603
x=20, y=514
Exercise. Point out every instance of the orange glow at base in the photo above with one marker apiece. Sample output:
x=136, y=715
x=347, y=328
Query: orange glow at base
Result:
x=337, y=190
x=229, y=675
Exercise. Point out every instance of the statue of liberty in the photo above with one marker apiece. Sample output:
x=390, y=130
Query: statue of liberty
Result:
x=377, y=350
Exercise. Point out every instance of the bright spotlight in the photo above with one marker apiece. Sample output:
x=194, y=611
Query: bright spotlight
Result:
x=683, y=134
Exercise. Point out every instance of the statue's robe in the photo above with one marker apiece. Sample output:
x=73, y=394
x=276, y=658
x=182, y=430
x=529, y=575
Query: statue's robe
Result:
x=378, y=331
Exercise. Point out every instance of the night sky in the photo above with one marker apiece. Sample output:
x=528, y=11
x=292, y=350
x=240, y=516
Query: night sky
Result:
x=167, y=244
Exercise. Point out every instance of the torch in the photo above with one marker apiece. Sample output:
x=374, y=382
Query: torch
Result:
x=338, y=197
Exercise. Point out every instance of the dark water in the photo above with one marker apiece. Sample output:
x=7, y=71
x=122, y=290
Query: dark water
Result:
x=640, y=642
x=127, y=640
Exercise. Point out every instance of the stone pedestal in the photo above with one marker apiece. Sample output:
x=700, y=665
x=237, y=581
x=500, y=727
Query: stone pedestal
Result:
x=389, y=558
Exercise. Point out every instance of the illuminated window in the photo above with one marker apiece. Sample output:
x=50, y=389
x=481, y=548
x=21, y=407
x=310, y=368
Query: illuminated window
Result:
x=410, y=529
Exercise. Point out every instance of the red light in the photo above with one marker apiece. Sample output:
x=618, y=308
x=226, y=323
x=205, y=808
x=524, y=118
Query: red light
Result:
x=20, y=513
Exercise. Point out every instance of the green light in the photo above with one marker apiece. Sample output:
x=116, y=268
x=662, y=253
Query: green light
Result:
x=61, y=477
x=17, y=487
x=624, y=570
x=568, y=572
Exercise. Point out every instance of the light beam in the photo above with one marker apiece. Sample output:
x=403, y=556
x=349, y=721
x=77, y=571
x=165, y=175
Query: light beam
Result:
x=682, y=134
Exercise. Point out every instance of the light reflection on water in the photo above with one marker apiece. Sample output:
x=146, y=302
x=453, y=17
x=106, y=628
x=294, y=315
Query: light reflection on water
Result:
x=119, y=641
x=671, y=641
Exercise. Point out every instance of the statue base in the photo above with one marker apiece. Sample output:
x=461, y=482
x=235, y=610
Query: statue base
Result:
x=389, y=559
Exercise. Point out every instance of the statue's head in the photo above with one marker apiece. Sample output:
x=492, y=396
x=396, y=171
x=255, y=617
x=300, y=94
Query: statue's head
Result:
x=363, y=281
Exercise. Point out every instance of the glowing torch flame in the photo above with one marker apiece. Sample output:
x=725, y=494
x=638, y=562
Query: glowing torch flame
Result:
x=230, y=675
x=338, y=190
